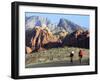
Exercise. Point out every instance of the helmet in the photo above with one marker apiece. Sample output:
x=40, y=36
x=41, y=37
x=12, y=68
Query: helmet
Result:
x=72, y=51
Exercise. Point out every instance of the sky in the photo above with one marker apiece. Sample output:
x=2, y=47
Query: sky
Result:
x=82, y=20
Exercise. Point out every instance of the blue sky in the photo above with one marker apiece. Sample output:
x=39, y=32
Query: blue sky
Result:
x=82, y=20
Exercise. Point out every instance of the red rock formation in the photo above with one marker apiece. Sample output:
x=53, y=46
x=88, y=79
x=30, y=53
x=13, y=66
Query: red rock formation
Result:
x=28, y=50
x=42, y=39
x=78, y=38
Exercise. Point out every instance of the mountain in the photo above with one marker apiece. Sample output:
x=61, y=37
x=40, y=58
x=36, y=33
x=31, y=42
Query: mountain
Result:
x=79, y=38
x=68, y=25
x=33, y=21
x=63, y=25
x=41, y=34
x=39, y=39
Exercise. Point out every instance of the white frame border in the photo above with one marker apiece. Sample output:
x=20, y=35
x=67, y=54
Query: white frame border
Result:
x=53, y=70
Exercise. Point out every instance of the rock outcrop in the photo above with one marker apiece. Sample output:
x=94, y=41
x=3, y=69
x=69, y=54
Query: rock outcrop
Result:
x=41, y=39
x=78, y=38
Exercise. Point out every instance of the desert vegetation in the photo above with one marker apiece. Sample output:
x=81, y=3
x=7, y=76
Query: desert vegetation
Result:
x=56, y=55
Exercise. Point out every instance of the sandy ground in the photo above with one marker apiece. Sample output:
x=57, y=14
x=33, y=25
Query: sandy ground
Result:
x=57, y=64
x=56, y=57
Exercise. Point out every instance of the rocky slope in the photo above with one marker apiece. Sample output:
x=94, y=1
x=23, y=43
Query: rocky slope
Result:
x=40, y=38
x=78, y=38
